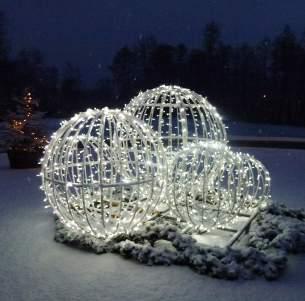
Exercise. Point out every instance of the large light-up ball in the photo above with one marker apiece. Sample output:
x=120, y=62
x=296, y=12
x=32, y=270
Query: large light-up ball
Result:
x=212, y=185
x=104, y=172
x=178, y=115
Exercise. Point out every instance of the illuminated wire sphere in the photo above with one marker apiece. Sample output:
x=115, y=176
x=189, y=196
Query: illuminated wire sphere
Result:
x=178, y=115
x=212, y=185
x=104, y=172
x=253, y=181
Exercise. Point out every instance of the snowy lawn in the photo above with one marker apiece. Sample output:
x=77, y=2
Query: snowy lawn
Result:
x=235, y=128
x=239, y=128
x=34, y=267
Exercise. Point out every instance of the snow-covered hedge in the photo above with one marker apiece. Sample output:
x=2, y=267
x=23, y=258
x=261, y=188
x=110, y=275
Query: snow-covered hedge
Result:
x=276, y=232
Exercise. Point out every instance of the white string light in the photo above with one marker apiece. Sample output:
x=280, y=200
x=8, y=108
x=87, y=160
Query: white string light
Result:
x=178, y=115
x=104, y=172
x=211, y=185
x=205, y=167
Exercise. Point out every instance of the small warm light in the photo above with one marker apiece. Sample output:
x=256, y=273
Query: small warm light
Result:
x=25, y=135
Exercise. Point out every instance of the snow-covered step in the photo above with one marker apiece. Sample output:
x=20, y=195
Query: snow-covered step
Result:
x=227, y=236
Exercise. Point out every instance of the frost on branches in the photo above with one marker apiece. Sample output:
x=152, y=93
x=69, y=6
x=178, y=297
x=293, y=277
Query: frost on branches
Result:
x=23, y=126
x=263, y=251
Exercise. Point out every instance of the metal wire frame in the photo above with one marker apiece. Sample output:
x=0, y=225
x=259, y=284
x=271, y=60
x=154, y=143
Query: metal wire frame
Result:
x=178, y=115
x=211, y=185
x=104, y=172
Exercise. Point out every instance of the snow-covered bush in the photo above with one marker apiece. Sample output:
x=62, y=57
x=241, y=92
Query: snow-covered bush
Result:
x=263, y=251
x=22, y=129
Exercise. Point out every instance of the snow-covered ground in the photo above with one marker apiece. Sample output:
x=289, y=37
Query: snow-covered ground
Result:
x=34, y=267
x=235, y=128
x=239, y=128
x=237, y=131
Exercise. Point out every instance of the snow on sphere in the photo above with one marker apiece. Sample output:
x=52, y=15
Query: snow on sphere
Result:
x=104, y=172
x=212, y=185
x=178, y=115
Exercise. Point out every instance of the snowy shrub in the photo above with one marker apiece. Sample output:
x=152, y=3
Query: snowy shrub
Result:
x=262, y=251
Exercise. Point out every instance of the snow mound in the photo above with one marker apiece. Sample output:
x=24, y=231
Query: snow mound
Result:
x=263, y=251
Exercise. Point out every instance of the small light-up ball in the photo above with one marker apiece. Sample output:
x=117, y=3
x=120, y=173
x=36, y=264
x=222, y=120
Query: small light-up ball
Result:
x=104, y=172
x=212, y=185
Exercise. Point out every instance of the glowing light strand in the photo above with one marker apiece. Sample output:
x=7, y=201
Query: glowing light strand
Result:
x=185, y=120
x=104, y=172
x=178, y=115
x=212, y=185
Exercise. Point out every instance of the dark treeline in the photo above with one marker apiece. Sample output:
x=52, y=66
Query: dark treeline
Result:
x=59, y=93
x=260, y=83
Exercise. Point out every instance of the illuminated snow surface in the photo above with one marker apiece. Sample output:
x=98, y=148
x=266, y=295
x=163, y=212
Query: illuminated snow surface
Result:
x=34, y=267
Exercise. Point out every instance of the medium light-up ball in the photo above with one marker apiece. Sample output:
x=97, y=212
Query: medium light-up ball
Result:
x=104, y=172
x=212, y=185
x=178, y=115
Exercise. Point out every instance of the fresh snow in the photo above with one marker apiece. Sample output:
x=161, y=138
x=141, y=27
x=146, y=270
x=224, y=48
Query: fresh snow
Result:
x=235, y=128
x=237, y=131
x=34, y=267
x=239, y=128
x=263, y=251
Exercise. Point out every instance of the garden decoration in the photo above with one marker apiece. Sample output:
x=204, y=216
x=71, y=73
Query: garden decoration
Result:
x=104, y=172
x=208, y=184
x=211, y=186
x=107, y=174
x=179, y=116
x=24, y=137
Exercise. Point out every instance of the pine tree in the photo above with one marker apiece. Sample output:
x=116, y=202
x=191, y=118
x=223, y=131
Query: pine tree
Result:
x=24, y=133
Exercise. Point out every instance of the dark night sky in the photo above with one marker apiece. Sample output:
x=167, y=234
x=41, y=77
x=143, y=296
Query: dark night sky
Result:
x=89, y=32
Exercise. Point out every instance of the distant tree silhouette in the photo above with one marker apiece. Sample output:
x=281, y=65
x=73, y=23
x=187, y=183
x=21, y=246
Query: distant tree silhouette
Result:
x=211, y=38
x=5, y=68
x=143, y=50
x=286, y=74
x=4, y=47
x=260, y=83
x=70, y=90
x=162, y=65
x=124, y=73
x=180, y=59
x=102, y=95
x=29, y=70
